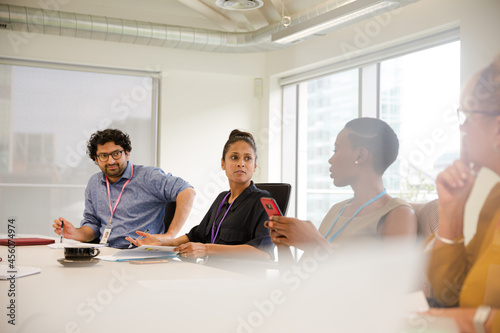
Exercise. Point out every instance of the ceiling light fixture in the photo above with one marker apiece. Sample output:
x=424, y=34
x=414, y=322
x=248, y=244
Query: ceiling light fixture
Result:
x=350, y=12
x=239, y=4
x=286, y=20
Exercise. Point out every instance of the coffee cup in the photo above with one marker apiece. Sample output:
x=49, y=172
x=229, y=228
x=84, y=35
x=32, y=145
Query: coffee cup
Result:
x=80, y=253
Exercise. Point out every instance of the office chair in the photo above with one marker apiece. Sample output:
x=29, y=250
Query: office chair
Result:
x=279, y=191
x=95, y=241
x=428, y=221
x=169, y=214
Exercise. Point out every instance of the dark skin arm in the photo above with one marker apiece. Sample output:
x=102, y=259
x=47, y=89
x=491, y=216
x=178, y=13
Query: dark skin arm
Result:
x=293, y=232
x=401, y=221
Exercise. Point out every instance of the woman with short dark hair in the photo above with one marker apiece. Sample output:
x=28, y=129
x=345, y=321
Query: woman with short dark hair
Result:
x=364, y=149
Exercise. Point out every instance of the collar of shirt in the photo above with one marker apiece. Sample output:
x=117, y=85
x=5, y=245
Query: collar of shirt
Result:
x=126, y=174
x=241, y=198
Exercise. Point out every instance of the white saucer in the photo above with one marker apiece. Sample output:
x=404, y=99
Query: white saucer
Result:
x=78, y=263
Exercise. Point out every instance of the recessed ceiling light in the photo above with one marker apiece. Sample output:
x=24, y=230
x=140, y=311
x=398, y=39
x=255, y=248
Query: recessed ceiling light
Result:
x=239, y=4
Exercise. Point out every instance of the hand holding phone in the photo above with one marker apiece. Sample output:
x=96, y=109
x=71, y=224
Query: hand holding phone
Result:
x=270, y=206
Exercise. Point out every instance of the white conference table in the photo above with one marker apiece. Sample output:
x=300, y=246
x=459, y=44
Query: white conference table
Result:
x=117, y=296
x=189, y=297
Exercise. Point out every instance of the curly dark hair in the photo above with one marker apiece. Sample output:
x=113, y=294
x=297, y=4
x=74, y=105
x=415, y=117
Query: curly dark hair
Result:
x=376, y=136
x=108, y=135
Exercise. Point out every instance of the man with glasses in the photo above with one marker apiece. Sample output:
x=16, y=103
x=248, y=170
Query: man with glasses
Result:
x=125, y=197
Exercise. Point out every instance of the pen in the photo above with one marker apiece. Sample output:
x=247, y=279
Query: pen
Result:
x=62, y=226
x=138, y=238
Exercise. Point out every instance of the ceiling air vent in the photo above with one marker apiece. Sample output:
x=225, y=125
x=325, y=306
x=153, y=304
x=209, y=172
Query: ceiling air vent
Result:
x=239, y=4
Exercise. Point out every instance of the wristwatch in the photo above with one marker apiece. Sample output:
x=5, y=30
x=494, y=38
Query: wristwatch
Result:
x=480, y=318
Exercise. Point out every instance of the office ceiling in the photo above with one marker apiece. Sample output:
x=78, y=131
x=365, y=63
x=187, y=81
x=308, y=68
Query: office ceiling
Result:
x=199, y=14
x=186, y=24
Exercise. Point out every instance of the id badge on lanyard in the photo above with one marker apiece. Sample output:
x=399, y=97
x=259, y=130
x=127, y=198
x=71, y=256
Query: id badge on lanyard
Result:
x=107, y=232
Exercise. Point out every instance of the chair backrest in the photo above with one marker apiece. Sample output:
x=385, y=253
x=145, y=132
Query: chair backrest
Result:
x=279, y=191
x=428, y=220
x=169, y=214
x=427, y=217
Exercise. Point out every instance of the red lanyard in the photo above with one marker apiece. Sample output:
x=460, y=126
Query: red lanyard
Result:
x=120, y=196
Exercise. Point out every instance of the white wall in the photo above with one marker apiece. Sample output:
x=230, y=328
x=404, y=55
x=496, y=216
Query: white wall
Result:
x=199, y=110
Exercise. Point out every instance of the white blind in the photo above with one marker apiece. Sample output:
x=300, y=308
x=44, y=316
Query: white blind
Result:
x=46, y=117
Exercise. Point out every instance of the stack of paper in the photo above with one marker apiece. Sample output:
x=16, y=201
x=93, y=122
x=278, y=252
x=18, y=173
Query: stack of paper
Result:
x=142, y=252
x=6, y=273
x=72, y=243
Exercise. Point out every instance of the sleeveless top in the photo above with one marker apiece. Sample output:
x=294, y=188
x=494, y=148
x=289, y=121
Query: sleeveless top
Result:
x=364, y=226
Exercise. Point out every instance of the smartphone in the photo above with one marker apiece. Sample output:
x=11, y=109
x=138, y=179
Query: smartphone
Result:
x=270, y=206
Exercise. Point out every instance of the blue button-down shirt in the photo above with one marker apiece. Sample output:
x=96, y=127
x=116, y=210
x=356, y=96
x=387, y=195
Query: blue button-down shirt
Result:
x=141, y=207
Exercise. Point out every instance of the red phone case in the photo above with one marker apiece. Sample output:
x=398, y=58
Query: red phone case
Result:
x=270, y=206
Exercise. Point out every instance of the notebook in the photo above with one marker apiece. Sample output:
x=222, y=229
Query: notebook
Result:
x=142, y=252
x=26, y=241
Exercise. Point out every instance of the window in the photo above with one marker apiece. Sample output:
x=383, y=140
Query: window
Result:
x=47, y=116
x=417, y=94
x=420, y=102
x=318, y=128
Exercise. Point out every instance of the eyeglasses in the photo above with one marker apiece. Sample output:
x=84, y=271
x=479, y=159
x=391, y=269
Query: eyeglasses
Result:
x=463, y=115
x=116, y=155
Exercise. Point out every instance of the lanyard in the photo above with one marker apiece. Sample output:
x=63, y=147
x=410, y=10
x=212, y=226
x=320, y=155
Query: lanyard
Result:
x=378, y=196
x=212, y=239
x=119, y=197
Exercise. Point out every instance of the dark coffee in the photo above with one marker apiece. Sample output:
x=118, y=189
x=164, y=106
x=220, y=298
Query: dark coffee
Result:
x=80, y=253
